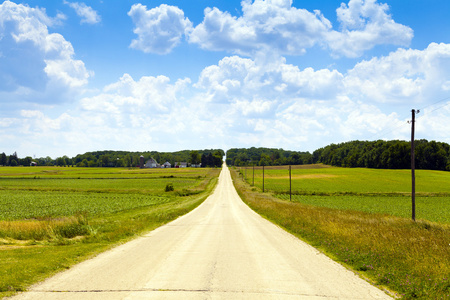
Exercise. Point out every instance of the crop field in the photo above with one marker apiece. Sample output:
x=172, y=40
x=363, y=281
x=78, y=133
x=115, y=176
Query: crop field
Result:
x=366, y=190
x=52, y=192
x=52, y=217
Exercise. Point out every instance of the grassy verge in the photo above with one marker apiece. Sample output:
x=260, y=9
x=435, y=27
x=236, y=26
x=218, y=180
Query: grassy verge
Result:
x=410, y=259
x=34, y=248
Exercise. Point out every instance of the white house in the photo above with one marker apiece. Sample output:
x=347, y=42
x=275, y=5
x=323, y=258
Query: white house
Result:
x=166, y=165
x=181, y=164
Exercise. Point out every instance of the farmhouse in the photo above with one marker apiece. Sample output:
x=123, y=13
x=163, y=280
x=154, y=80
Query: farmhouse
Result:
x=166, y=165
x=181, y=164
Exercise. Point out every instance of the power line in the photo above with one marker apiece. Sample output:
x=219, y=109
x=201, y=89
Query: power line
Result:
x=398, y=123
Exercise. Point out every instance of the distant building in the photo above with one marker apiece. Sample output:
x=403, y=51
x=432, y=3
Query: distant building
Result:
x=141, y=161
x=181, y=164
x=151, y=163
x=196, y=165
x=167, y=165
x=33, y=164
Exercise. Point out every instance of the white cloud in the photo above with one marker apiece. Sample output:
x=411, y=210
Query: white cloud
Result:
x=264, y=24
x=365, y=24
x=412, y=76
x=159, y=29
x=130, y=103
x=35, y=65
x=86, y=13
x=269, y=25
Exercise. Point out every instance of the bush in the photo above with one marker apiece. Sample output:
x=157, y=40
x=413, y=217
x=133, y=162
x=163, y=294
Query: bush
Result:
x=169, y=187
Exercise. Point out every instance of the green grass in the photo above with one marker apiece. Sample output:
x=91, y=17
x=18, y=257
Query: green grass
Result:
x=359, y=189
x=409, y=258
x=53, y=217
x=435, y=209
x=20, y=204
x=324, y=179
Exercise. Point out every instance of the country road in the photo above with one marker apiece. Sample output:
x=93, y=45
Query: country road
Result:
x=221, y=250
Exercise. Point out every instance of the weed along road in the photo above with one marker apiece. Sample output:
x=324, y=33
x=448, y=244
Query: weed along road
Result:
x=221, y=250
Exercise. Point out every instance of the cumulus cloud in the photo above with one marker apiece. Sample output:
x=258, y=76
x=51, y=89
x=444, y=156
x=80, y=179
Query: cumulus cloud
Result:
x=34, y=63
x=159, y=29
x=365, y=24
x=264, y=24
x=86, y=13
x=133, y=103
x=235, y=77
x=408, y=75
x=278, y=26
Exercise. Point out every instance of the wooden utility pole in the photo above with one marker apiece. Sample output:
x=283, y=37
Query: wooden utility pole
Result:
x=290, y=184
x=413, y=166
x=263, y=178
x=246, y=165
x=253, y=182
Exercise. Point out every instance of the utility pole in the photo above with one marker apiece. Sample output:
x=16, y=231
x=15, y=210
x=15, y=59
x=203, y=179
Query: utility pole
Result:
x=246, y=165
x=290, y=184
x=253, y=182
x=413, y=166
x=263, y=178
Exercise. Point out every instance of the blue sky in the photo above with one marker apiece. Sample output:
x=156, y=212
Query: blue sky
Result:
x=174, y=75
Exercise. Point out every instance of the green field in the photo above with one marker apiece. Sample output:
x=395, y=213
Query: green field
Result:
x=366, y=190
x=53, y=217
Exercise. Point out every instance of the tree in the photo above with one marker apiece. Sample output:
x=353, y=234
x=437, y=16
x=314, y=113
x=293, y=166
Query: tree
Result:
x=265, y=160
x=60, y=161
x=26, y=161
x=13, y=160
x=195, y=157
x=3, y=159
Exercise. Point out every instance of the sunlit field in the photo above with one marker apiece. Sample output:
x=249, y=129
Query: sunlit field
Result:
x=367, y=190
x=52, y=217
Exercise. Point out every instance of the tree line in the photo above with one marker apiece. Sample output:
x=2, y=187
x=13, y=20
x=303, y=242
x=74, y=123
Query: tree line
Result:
x=379, y=154
x=429, y=155
x=208, y=158
x=266, y=157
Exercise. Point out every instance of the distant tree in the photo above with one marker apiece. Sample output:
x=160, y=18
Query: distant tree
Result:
x=104, y=160
x=195, y=157
x=265, y=160
x=60, y=161
x=3, y=159
x=217, y=159
x=13, y=160
x=25, y=161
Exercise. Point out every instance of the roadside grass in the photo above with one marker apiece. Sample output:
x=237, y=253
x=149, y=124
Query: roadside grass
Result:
x=411, y=259
x=45, y=229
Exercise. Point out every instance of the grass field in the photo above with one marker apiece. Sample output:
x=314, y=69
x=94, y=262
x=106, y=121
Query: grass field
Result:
x=367, y=190
x=53, y=217
x=358, y=222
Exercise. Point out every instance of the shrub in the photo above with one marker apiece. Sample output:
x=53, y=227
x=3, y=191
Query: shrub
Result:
x=169, y=187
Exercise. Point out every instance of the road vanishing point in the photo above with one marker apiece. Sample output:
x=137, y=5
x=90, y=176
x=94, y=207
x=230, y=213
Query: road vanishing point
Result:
x=220, y=250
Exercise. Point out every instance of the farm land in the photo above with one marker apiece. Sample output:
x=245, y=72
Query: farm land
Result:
x=360, y=189
x=53, y=217
x=362, y=218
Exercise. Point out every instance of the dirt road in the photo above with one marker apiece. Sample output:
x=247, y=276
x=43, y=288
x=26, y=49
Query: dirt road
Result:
x=221, y=250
